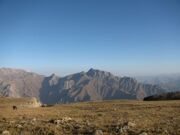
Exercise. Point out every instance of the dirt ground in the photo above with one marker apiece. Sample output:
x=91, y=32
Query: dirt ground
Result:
x=119, y=117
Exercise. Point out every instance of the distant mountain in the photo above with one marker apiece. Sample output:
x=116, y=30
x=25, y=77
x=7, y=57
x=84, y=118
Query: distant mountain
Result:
x=19, y=83
x=94, y=85
x=169, y=82
x=83, y=86
x=164, y=96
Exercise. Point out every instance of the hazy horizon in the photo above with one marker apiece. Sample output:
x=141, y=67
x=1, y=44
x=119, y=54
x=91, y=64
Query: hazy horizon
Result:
x=60, y=73
x=127, y=38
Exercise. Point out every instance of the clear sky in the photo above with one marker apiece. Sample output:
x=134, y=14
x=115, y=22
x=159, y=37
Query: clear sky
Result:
x=125, y=37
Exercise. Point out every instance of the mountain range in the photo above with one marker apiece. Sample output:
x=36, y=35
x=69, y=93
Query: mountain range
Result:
x=170, y=82
x=92, y=85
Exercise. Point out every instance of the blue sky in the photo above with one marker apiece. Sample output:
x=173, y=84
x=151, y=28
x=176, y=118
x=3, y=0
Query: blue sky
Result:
x=125, y=37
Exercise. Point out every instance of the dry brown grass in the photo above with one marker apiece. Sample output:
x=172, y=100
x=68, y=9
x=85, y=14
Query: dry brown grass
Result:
x=112, y=117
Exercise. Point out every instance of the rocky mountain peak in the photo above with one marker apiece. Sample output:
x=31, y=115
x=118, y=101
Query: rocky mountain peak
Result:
x=129, y=79
x=53, y=79
x=53, y=75
x=91, y=72
x=95, y=72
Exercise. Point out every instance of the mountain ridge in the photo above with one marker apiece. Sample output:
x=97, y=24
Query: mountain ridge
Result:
x=83, y=86
x=170, y=82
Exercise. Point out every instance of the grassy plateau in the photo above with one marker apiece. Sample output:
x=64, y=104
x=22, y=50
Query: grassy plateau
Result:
x=118, y=117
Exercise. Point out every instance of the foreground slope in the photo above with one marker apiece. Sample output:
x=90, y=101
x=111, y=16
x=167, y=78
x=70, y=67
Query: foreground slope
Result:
x=108, y=117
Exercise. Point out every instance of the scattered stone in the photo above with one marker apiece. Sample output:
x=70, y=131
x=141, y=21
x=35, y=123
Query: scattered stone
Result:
x=21, y=117
x=98, y=132
x=34, y=120
x=144, y=133
x=86, y=122
x=52, y=121
x=4, y=119
x=125, y=128
x=114, y=109
x=12, y=122
x=19, y=126
x=23, y=122
x=5, y=132
x=166, y=132
x=66, y=119
x=131, y=124
x=121, y=130
x=57, y=122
